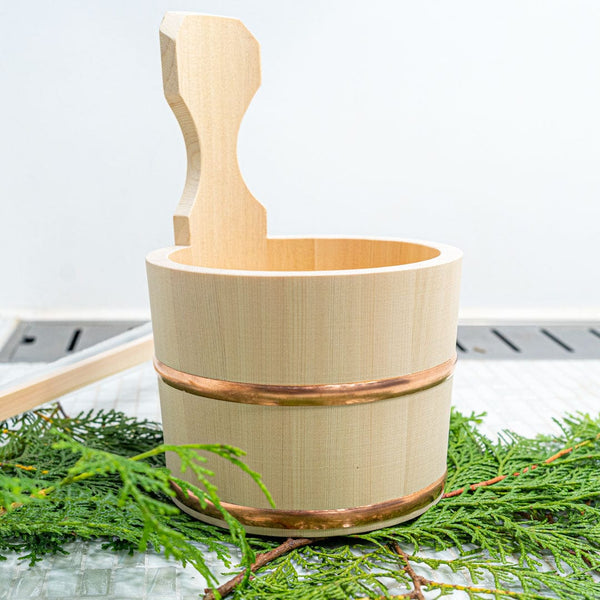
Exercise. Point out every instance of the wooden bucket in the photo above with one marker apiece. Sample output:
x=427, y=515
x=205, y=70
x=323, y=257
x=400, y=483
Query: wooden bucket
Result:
x=328, y=360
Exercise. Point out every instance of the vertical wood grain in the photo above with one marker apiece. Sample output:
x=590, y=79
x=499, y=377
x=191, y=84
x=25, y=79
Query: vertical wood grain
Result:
x=211, y=71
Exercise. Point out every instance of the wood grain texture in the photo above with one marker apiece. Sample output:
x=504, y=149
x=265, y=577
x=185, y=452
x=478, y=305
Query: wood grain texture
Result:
x=323, y=457
x=211, y=71
x=297, y=328
x=311, y=327
x=230, y=303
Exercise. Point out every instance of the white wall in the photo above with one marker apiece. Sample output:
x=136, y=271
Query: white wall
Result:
x=467, y=122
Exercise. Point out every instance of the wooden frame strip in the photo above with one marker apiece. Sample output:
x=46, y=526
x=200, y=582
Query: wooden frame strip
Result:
x=66, y=376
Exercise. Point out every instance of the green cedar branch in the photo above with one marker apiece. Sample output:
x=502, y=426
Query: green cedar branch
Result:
x=472, y=487
x=533, y=536
x=261, y=560
x=136, y=484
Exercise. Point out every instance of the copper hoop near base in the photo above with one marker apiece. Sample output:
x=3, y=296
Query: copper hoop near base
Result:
x=305, y=395
x=316, y=523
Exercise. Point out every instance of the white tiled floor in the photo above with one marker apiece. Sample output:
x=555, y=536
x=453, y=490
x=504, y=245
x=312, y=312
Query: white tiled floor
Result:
x=526, y=395
x=519, y=395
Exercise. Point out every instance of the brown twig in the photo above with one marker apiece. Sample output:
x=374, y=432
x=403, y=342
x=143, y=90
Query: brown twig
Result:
x=261, y=560
x=58, y=408
x=416, y=593
x=419, y=581
x=408, y=595
x=61, y=410
x=469, y=588
x=17, y=466
x=584, y=557
x=48, y=419
x=499, y=478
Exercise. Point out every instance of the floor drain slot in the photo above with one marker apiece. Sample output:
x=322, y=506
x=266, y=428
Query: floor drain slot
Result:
x=556, y=340
x=505, y=340
x=73, y=342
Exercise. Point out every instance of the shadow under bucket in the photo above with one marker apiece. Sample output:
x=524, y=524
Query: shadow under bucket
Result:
x=328, y=360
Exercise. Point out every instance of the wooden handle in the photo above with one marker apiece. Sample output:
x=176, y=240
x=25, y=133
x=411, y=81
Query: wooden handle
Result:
x=211, y=71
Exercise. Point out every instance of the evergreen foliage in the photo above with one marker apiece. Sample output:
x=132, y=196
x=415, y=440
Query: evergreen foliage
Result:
x=530, y=529
x=102, y=475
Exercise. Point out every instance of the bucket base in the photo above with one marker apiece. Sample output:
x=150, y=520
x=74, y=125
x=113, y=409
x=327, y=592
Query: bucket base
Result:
x=317, y=523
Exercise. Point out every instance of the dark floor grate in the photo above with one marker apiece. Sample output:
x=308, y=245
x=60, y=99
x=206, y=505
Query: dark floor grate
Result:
x=529, y=342
x=45, y=341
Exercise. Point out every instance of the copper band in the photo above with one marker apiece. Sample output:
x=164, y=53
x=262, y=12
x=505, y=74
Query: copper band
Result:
x=318, y=519
x=305, y=395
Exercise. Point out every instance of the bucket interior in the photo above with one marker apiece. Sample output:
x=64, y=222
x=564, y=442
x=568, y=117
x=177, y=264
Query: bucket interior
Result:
x=316, y=254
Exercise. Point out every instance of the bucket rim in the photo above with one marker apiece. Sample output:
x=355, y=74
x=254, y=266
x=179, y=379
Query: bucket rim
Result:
x=447, y=254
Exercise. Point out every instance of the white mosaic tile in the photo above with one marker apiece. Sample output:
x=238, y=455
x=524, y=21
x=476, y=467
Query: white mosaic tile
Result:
x=519, y=395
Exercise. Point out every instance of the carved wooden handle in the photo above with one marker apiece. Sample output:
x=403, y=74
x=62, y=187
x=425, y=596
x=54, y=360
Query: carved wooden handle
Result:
x=211, y=71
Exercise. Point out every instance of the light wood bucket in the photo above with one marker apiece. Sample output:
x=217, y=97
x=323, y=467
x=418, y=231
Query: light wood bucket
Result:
x=328, y=360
